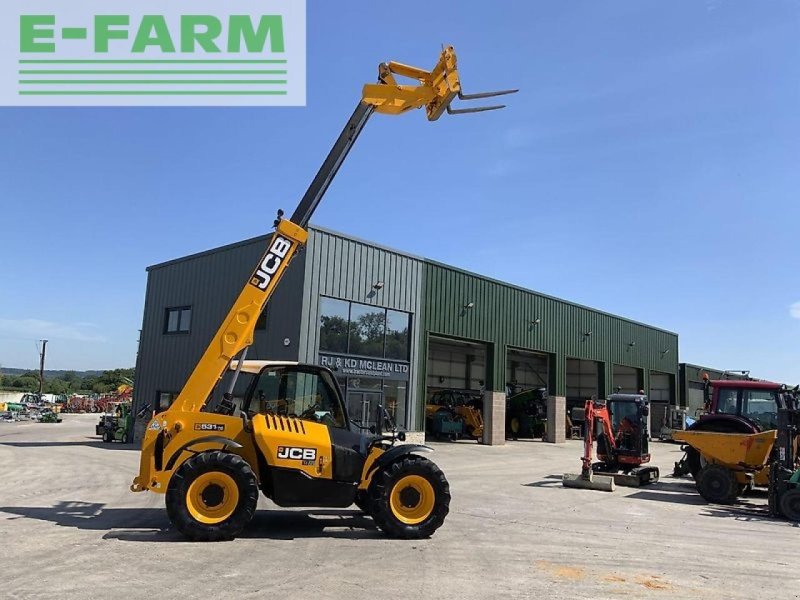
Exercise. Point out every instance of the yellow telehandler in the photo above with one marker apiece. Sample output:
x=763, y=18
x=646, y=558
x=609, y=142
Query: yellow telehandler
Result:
x=289, y=434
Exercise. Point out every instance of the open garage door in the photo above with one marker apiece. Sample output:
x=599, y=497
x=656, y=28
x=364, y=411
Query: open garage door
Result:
x=662, y=397
x=627, y=380
x=526, y=370
x=583, y=381
x=455, y=364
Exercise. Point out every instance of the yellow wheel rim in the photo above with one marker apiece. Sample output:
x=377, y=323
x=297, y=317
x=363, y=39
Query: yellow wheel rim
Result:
x=212, y=497
x=412, y=499
x=515, y=425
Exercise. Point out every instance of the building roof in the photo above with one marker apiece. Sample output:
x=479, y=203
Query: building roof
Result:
x=312, y=227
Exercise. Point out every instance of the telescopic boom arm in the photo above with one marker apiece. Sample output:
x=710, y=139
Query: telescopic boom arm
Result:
x=435, y=90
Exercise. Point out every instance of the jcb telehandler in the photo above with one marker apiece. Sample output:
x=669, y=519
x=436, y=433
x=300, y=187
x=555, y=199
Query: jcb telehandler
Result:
x=290, y=436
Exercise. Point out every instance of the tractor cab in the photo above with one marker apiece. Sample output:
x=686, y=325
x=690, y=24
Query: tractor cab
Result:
x=740, y=406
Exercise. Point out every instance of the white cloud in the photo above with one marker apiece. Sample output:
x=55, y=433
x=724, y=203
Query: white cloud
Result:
x=794, y=310
x=36, y=329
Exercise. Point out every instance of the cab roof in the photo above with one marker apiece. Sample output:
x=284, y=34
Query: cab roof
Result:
x=255, y=366
x=743, y=383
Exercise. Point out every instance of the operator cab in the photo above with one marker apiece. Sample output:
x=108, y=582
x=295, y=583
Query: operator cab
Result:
x=302, y=391
x=629, y=414
x=754, y=401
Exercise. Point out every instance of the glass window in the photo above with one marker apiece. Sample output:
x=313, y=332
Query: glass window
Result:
x=397, y=330
x=164, y=400
x=727, y=400
x=308, y=396
x=178, y=320
x=367, y=330
x=761, y=407
x=186, y=319
x=394, y=398
x=333, y=325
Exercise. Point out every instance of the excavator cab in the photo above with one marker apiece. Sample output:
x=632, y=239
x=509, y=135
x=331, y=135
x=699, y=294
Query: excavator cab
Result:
x=629, y=415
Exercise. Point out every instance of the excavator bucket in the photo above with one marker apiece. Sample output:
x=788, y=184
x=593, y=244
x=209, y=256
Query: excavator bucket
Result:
x=437, y=89
x=601, y=483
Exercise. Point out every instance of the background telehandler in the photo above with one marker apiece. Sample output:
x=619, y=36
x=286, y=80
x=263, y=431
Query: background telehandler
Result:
x=290, y=435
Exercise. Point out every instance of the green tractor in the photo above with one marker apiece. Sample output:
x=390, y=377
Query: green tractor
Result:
x=526, y=414
x=115, y=424
x=48, y=416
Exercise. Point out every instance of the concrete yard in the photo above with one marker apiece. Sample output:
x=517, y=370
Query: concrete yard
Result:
x=71, y=529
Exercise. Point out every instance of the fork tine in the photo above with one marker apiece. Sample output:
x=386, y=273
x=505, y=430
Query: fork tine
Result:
x=478, y=96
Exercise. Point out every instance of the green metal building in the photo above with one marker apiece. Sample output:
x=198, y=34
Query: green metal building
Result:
x=396, y=328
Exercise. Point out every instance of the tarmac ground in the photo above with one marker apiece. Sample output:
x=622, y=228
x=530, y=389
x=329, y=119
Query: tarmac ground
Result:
x=71, y=529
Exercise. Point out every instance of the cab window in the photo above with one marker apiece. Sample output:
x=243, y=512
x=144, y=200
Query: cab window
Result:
x=727, y=401
x=761, y=407
x=306, y=395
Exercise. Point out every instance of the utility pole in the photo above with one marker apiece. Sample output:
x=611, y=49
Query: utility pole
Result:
x=41, y=367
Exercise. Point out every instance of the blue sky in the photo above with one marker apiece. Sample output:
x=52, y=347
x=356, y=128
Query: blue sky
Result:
x=648, y=167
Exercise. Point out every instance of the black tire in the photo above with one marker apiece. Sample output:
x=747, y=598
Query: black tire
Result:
x=790, y=504
x=213, y=461
x=124, y=439
x=693, y=462
x=717, y=484
x=362, y=501
x=107, y=437
x=383, y=487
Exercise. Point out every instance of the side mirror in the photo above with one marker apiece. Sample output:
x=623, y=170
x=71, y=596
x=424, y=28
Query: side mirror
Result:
x=645, y=411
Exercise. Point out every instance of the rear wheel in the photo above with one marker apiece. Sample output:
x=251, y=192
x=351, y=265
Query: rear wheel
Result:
x=212, y=496
x=410, y=498
x=107, y=437
x=717, y=484
x=790, y=504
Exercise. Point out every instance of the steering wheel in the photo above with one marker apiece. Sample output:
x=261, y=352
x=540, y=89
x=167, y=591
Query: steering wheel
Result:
x=310, y=413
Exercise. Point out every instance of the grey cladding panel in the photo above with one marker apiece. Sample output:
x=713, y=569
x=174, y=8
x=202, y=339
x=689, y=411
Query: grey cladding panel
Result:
x=209, y=283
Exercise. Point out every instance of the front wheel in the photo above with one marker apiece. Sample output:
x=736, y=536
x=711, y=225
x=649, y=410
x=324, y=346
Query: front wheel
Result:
x=362, y=501
x=212, y=496
x=717, y=484
x=790, y=504
x=410, y=498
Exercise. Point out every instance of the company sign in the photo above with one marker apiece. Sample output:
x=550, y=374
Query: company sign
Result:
x=353, y=366
x=152, y=52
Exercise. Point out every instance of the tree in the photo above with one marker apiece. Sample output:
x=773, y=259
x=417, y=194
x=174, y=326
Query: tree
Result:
x=333, y=334
x=369, y=330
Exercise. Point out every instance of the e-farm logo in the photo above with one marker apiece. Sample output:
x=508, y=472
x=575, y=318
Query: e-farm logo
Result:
x=152, y=52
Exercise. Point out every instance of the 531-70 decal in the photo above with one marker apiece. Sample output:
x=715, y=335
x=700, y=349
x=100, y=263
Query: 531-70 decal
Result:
x=209, y=427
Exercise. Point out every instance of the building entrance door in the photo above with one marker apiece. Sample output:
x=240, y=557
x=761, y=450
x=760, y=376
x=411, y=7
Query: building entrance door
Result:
x=362, y=407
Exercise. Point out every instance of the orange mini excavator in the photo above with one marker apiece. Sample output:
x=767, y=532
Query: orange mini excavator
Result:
x=619, y=425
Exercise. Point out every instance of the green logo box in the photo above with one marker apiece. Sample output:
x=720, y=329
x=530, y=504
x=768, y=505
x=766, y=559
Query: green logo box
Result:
x=153, y=53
